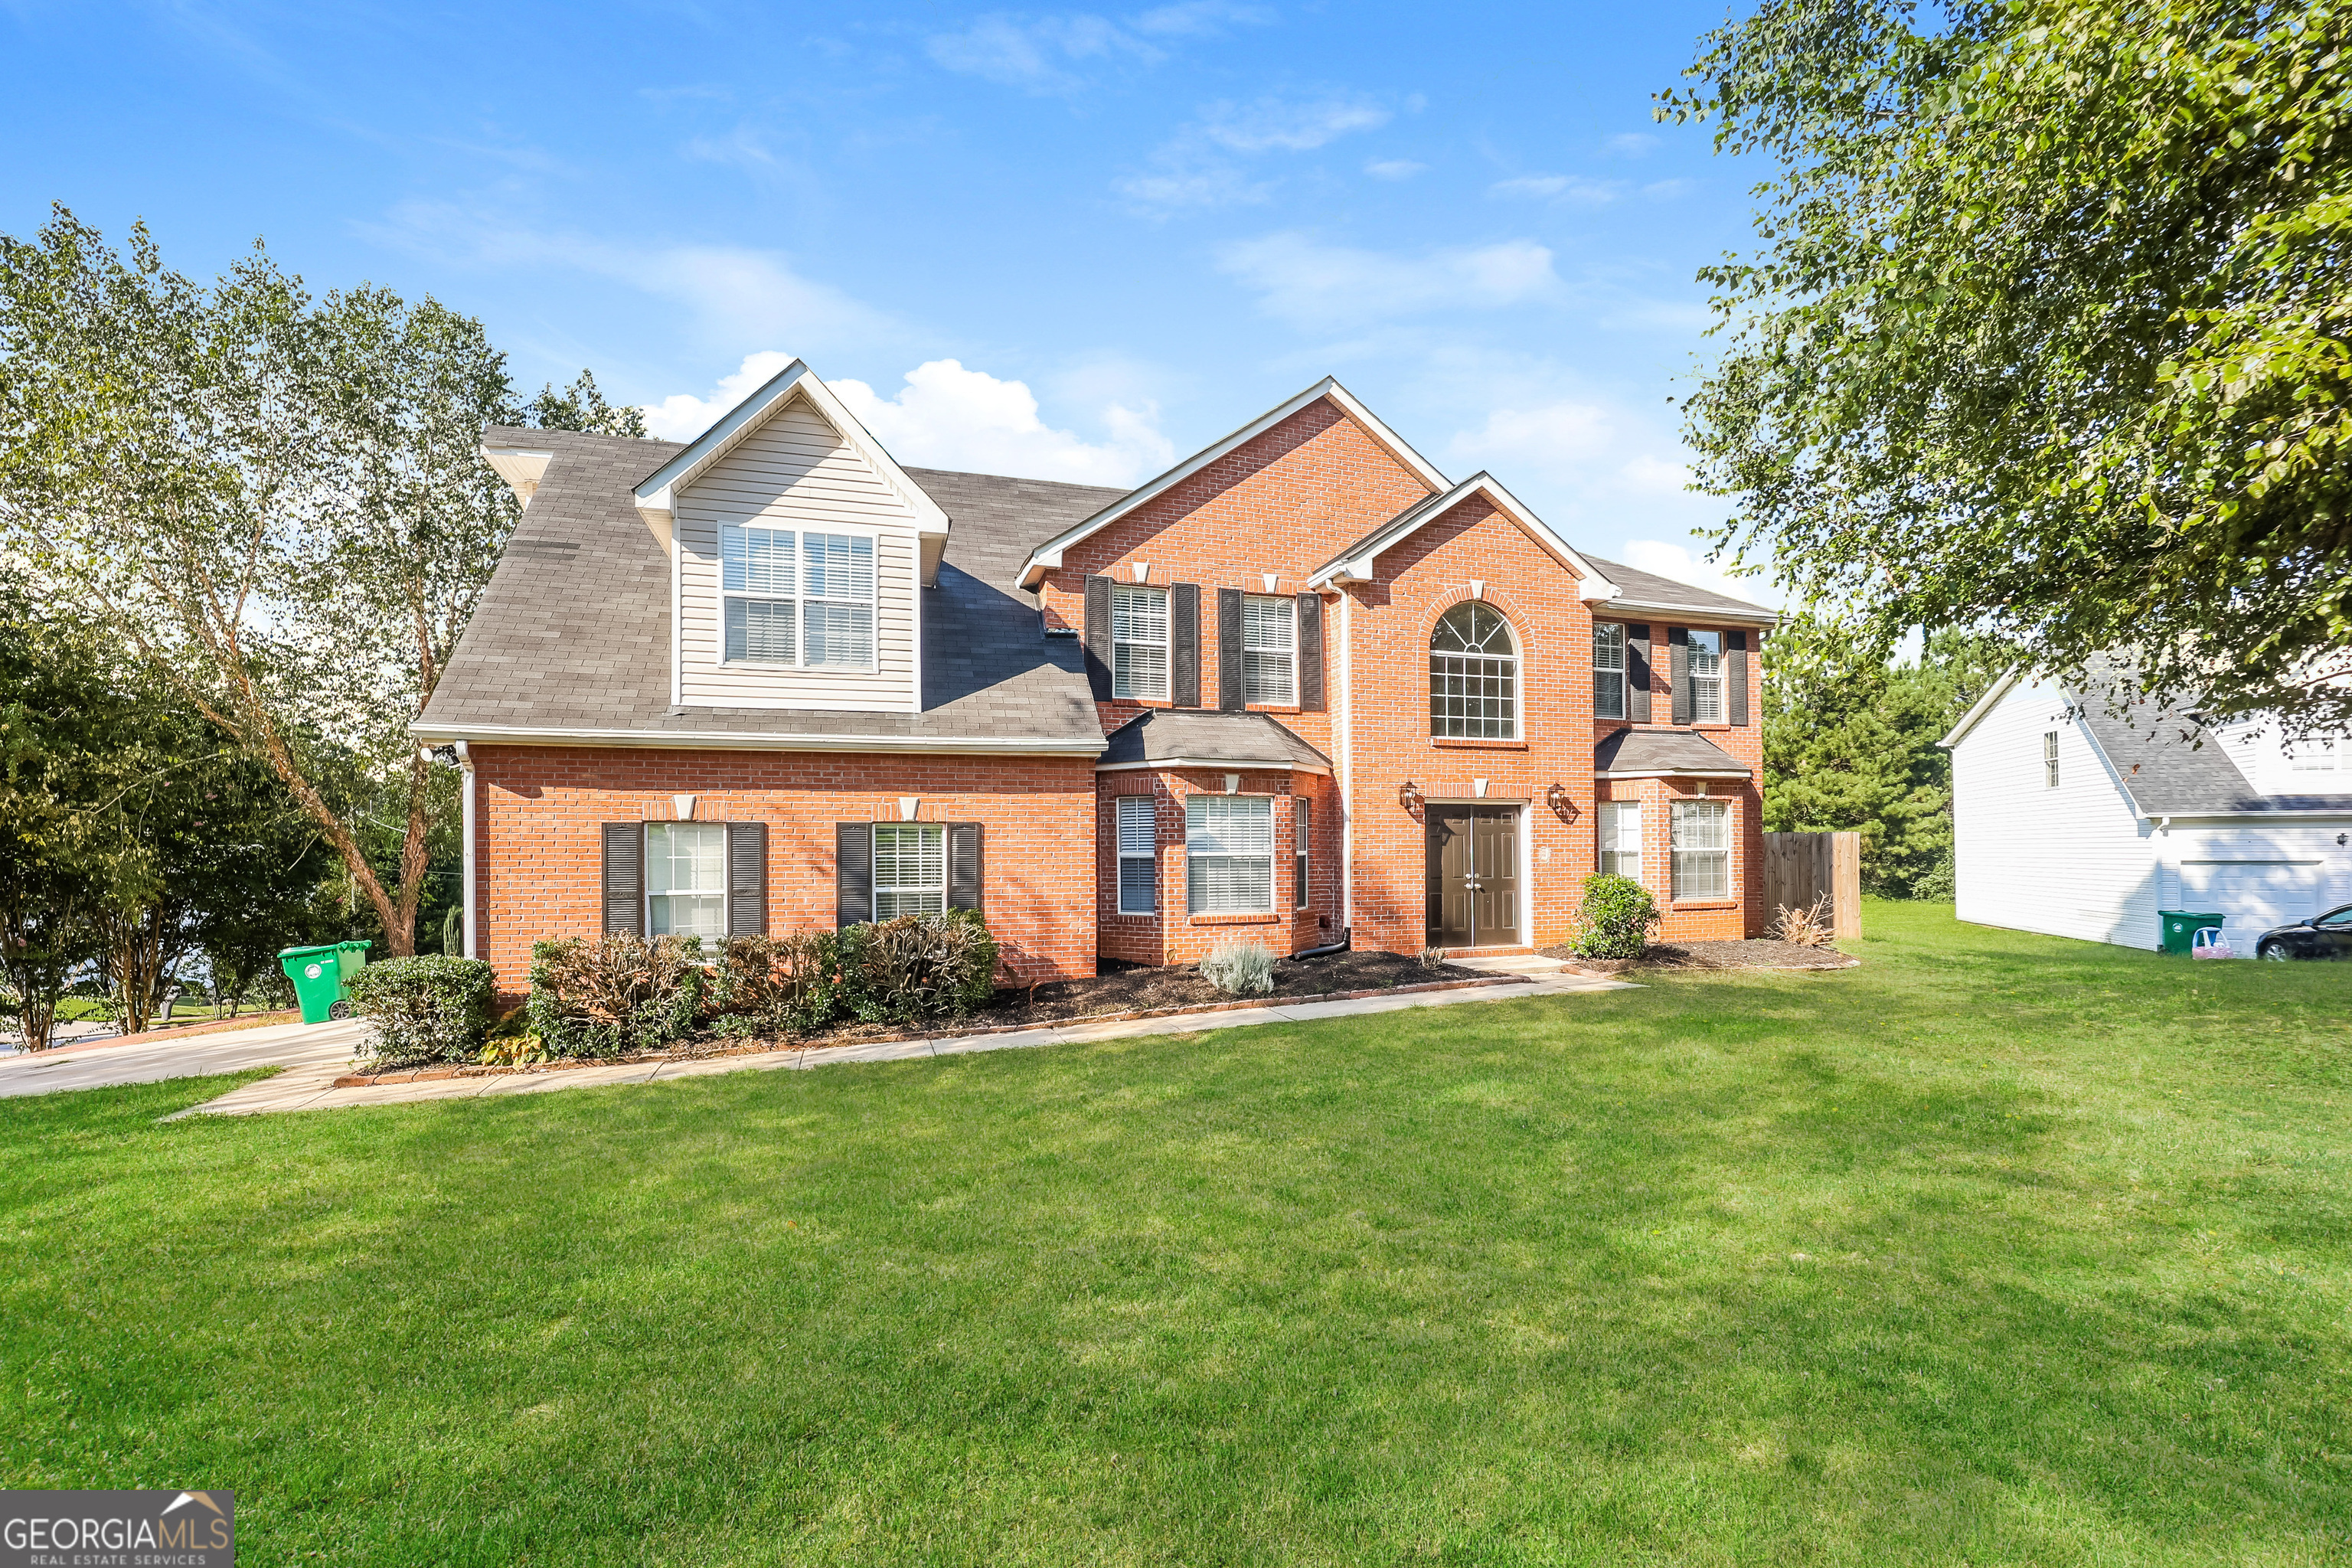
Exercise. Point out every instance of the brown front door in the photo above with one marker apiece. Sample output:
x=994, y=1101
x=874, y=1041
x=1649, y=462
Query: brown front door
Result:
x=1473, y=875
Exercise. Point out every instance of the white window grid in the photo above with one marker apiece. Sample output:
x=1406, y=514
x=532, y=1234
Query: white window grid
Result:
x=796, y=598
x=1706, y=677
x=1607, y=671
x=1138, y=637
x=1269, y=649
x=1621, y=839
x=2318, y=757
x=1474, y=676
x=685, y=878
x=1302, y=834
x=911, y=869
x=1229, y=854
x=2050, y=759
x=1702, y=848
x=838, y=611
x=1139, y=855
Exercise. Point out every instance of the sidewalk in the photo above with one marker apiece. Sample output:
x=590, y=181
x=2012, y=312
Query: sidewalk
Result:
x=311, y=1086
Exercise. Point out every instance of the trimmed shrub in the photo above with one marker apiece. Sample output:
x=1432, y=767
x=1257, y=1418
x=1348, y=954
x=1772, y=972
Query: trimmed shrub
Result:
x=766, y=987
x=1615, y=919
x=429, y=1009
x=1240, y=966
x=616, y=996
x=916, y=966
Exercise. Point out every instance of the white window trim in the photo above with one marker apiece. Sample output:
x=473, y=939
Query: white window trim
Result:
x=875, y=889
x=1165, y=643
x=1617, y=673
x=1302, y=831
x=873, y=600
x=800, y=597
x=1714, y=683
x=1677, y=813
x=728, y=596
x=645, y=894
x=1268, y=906
x=1616, y=811
x=1151, y=855
x=2050, y=759
x=1290, y=697
x=1517, y=660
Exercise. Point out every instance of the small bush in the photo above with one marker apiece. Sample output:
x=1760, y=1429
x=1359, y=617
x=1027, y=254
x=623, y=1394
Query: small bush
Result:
x=766, y=987
x=1240, y=966
x=616, y=996
x=916, y=966
x=430, y=1009
x=1615, y=919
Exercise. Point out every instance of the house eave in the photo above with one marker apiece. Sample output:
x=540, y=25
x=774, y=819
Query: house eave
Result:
x=1706, y=615
x=431, y=733
x=1673, y=774
x=1360, y=561
x=1226, y=764
x=1982, y=706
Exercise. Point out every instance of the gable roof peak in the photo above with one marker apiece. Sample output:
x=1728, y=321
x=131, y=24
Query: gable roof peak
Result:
x=1048, y=556
x=1356, y=563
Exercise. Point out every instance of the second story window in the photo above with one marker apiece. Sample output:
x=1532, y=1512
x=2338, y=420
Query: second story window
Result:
x=1138, y=632
x=1608, y=671
x=796, y=598
x=838, y=615
x=2050, y=759
x=1707, y=677
x=757, y=567
x=1269, y=649
x=1474, y=675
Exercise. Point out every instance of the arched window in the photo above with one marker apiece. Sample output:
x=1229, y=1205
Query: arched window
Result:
x=1474, y=675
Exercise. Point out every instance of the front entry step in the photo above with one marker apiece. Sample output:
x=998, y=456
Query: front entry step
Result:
x=1512, y=963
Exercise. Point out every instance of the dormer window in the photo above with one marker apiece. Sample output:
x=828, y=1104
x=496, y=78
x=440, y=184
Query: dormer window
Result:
x=797, y=598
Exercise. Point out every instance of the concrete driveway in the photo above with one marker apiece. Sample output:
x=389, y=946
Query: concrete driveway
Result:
x=295, y=1046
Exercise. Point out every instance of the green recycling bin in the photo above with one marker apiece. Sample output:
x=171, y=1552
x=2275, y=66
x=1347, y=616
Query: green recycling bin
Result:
x=321, y=977
x=2178, y=929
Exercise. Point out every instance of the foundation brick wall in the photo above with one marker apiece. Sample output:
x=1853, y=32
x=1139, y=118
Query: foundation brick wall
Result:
x=538, y=843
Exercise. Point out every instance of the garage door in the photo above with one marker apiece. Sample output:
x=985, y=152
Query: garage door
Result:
x=2255, y=894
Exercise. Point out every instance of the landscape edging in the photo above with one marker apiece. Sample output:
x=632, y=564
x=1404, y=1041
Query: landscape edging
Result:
x=476, y=1069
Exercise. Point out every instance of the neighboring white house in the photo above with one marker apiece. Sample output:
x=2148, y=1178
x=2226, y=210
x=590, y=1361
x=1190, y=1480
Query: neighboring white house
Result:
x=2072, y=821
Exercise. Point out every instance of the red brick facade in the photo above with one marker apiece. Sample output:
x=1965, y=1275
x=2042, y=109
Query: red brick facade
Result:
x=1278, y=506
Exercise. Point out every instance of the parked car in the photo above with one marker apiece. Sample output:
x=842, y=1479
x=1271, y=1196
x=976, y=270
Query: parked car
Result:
x=2321, y=936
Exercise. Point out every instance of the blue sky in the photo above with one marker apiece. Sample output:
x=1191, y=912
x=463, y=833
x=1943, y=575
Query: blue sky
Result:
x=1075, y=244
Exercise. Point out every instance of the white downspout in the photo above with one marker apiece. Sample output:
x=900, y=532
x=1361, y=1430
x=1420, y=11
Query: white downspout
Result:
x=1347, y=749
x=467, y=916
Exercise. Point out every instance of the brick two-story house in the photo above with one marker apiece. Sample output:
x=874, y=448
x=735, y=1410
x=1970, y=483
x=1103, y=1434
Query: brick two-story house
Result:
x=1302, y=686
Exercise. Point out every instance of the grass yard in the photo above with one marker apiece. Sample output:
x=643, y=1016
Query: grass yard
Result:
x=1996, y=1249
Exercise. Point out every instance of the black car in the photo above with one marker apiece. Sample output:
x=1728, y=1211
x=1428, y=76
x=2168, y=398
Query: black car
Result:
x=2321, y=936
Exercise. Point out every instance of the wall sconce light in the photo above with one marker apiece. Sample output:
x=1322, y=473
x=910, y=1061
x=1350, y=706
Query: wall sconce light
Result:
x=1562, y=805
x=1408, y=796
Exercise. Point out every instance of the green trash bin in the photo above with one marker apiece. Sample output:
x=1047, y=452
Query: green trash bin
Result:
x=2178, y=929
x=321, y=977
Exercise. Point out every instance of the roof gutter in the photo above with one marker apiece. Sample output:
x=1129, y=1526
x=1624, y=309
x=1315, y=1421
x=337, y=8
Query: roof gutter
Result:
x=1225, y=764
x=756, y=741
x=1673, y=774
x=1713, y=614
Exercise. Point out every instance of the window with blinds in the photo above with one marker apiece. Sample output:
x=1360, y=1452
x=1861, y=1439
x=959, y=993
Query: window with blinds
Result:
x=1269, y=649
x=1229, y=854
x=911, y=869
x=1139, y=855
x=2050, y=760
x=685, y=878
x=1707, y=677
x=1621, y=839
x=1702, y=836
x=1608, y=671
x=837, y=611
x=1302, y=831
x=1138, y=635
x=758, y=566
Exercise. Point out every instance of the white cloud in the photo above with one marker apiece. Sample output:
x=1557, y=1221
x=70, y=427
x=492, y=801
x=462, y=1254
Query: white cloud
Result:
x=1632, y=144
x=1044, y=54
x=1321, y=285
x=1557, y=188
x=1271, y=124
x=1177, y=185
x=946, y=416
x=1686, y=564
x=1394, y=168
x=1199, y=18
x=1663, y=190
x=682, y=417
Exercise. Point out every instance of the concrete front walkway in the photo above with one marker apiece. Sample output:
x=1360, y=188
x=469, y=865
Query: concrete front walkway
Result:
x=311, y=1087
x=319, y=1050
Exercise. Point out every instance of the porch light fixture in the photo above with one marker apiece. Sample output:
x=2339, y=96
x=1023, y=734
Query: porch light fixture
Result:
x=1408, y=796
x=1562, y=805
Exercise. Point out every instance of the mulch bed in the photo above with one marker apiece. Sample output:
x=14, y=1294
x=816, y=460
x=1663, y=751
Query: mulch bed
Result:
x=1761, y=954
x=1103, y=998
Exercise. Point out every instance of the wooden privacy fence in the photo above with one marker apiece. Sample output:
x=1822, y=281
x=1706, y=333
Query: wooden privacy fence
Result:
x=1800, y=866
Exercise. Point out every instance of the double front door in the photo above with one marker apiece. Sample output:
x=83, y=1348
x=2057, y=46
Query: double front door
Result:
x=1473, y=875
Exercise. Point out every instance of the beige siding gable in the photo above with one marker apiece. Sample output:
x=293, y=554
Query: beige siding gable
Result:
x=796, y=471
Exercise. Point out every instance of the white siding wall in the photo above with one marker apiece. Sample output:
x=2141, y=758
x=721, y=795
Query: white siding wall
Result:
x=2071, y=861
x=797, y=470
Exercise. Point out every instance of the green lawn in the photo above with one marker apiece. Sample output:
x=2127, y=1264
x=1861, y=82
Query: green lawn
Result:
x=1998, y=1248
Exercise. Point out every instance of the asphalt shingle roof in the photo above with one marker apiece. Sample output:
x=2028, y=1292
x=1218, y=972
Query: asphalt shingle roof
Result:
x=2172, y=765
x=1244, y=739
x=573, y=630
x=1664, y=752
x=1648, y=589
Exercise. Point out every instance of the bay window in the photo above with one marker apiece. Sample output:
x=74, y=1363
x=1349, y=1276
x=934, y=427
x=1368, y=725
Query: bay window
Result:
x=1229, y=854
x=1621, y=839
x=1139, y=855
x=1702, y=848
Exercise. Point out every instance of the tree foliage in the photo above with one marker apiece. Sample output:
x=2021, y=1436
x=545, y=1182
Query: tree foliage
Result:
x=1850, y=742
x=581, y=407
x=2046, y=332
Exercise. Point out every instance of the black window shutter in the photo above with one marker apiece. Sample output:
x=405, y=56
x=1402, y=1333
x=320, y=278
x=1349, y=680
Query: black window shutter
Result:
x=1184, y=639
x=1097, y=641
x=624, y=878
x=1310, y=652
x=852, y=872
x=1678, y=670
x=1637, y=674
x=1229, y=649
x=747, y=879
x=1734, y=677
x=966, y=866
